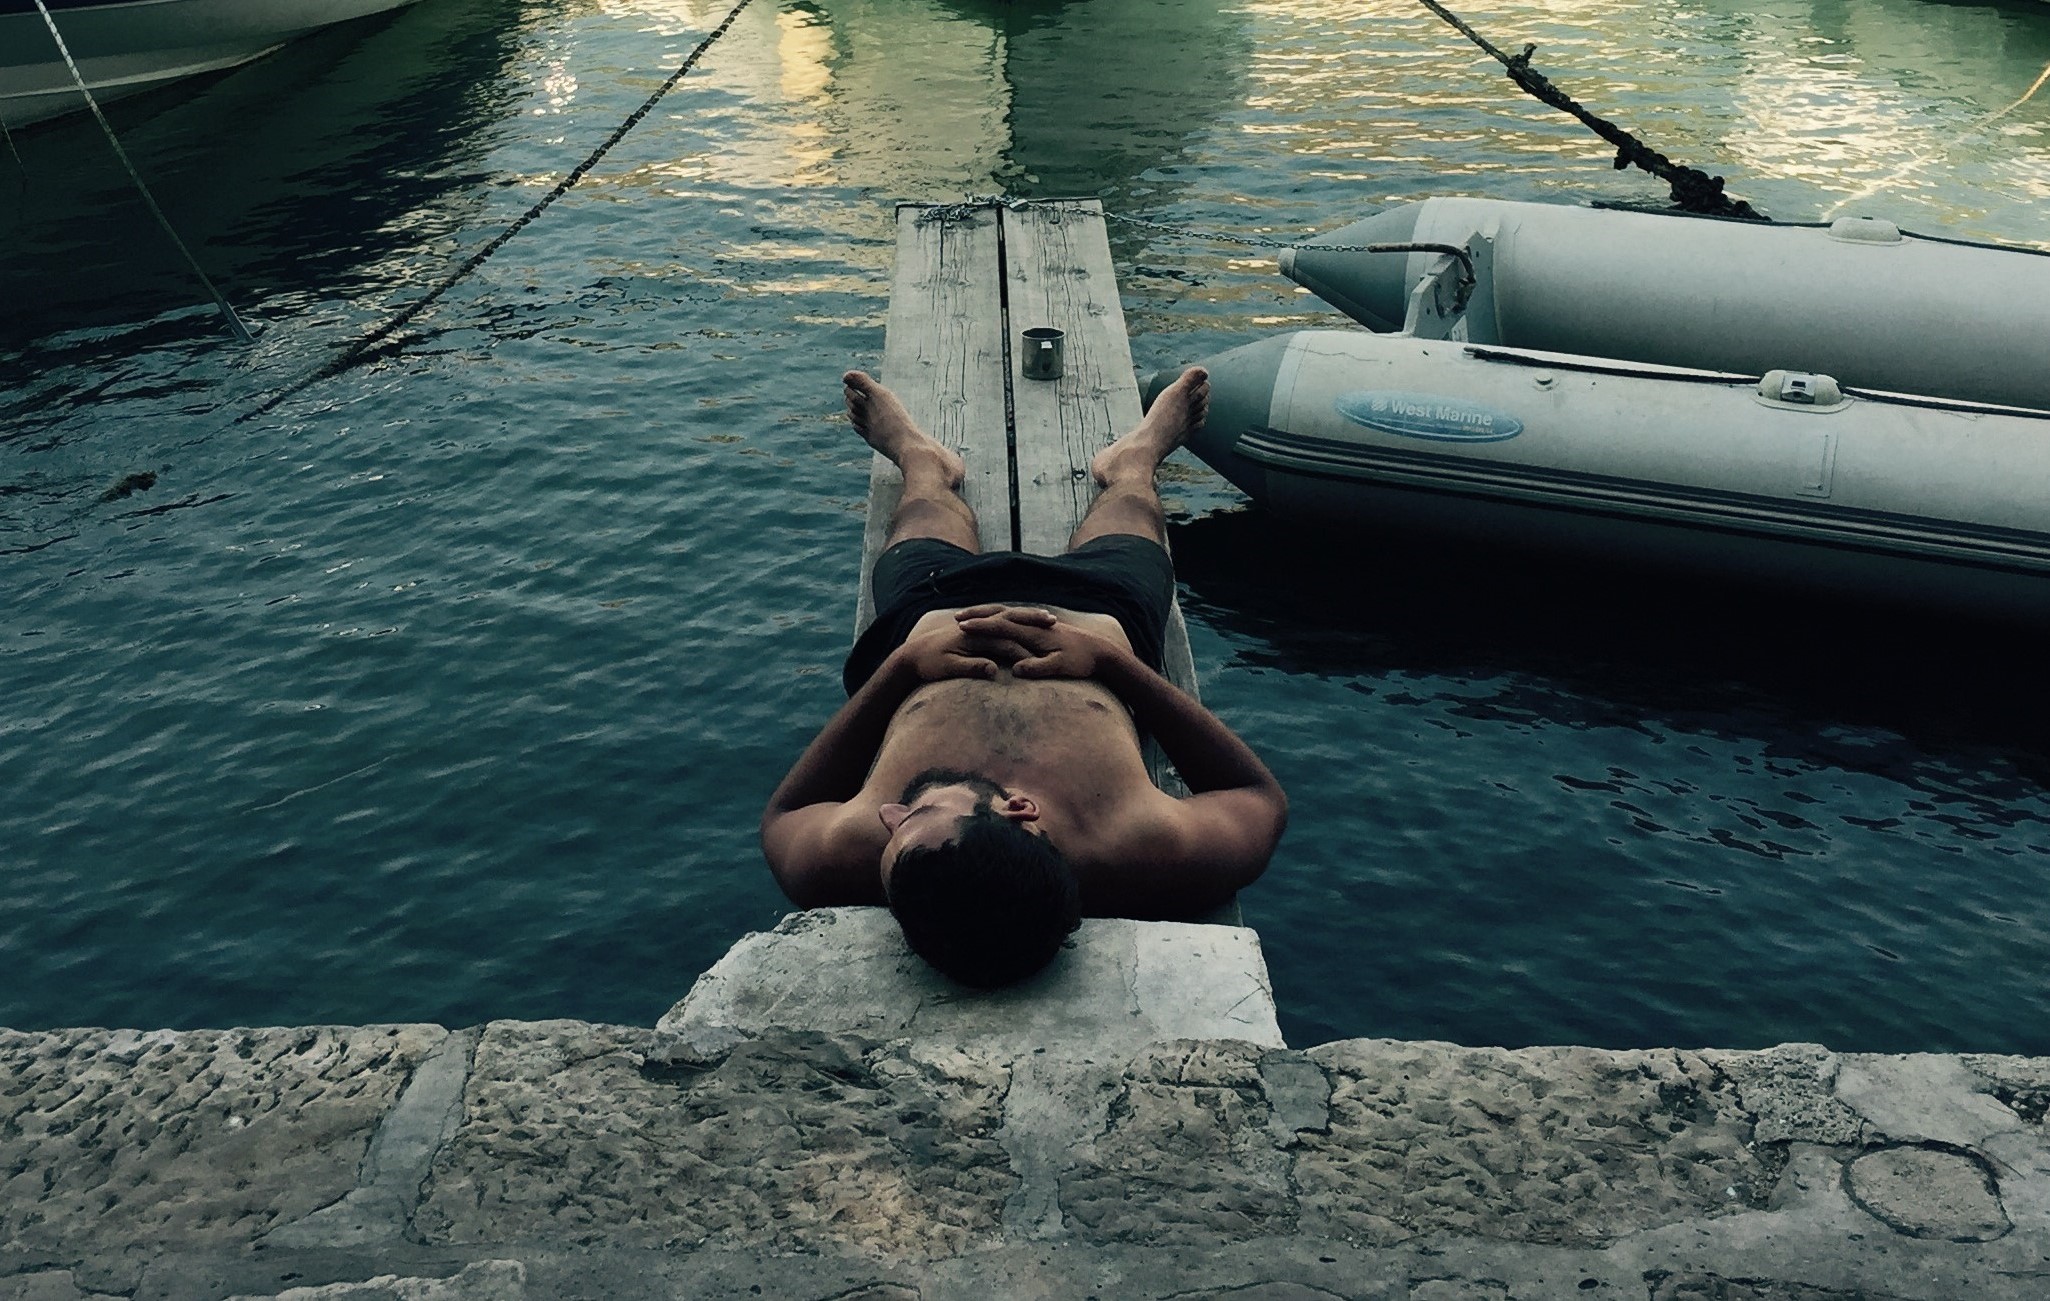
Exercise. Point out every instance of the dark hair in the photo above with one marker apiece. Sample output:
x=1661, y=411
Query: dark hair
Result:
x=990, y=906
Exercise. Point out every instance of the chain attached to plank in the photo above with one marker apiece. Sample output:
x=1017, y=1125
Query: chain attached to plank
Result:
x=966, y=208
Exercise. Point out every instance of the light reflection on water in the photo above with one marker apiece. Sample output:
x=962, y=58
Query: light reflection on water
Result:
x=452, y=689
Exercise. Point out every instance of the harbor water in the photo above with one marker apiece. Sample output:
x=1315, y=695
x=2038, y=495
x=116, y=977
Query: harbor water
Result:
x=451, y=687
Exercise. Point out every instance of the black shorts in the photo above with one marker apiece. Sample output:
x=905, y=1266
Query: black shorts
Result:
x=1120, y=574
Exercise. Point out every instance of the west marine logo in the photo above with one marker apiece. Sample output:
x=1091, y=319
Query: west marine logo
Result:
x=1428, y=416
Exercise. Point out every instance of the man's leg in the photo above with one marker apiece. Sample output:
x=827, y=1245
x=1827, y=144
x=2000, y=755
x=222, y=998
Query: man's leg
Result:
x=1129, y=502
x=931, y=506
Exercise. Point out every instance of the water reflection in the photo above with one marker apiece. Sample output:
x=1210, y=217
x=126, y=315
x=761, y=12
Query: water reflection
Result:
x=1800, y=102
x=1581, y=804
x=1888, y=106
x=300, y=175
x=1038, y=98
x=1103, y=91
x=892, y=95
x=1594, y=645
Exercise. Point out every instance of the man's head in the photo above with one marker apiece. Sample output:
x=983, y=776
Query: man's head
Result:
x=980, y=893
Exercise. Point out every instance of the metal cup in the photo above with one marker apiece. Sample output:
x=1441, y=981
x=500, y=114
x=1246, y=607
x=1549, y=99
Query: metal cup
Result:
x=1043, y=346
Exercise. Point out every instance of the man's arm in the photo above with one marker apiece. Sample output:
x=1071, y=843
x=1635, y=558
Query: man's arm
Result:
x=803, y=836
x=1227, y=829
x=816, y=868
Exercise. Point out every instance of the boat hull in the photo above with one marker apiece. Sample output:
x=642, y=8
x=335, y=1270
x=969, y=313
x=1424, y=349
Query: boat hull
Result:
x=1856, y=300
x=1942, y=503
x=122, y=49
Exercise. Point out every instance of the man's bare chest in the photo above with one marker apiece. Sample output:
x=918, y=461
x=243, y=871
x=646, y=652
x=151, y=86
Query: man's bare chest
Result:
x=1013, y=721
x=1069, y=745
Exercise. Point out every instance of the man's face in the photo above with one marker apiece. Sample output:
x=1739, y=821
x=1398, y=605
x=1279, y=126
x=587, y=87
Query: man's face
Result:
x=931, y=819
x=934, y=806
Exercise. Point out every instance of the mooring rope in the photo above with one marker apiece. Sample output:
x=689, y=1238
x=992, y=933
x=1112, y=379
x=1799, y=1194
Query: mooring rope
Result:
x=1916, y=165
x=1692, y=189
x=368, y=345
x=20, y=168
x=78, y=78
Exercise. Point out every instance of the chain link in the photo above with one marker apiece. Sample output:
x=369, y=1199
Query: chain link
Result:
x=1250, y=241
x=968, y=207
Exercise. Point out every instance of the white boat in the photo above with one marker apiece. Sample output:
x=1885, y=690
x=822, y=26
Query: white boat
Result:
x=1842, y=405
x=125, y=48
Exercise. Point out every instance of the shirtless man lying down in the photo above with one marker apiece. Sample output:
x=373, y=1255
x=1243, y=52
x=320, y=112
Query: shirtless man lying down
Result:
x=984, y=778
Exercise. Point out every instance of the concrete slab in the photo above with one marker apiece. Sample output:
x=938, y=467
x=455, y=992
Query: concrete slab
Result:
x=1119, y=986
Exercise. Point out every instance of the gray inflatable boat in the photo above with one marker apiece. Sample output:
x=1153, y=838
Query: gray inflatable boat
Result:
x=1842, y=405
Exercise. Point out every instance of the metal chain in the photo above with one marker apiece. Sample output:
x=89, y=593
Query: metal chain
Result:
x=1250, y=241
x=967, y=207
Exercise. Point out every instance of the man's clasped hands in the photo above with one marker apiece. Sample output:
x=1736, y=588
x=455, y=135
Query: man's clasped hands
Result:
x=986, y=639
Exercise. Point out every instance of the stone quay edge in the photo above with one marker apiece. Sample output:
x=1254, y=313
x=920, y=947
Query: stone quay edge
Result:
x=822, y=1118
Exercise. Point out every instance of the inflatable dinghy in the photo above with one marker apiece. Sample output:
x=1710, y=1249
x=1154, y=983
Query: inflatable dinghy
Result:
x=1845, y=405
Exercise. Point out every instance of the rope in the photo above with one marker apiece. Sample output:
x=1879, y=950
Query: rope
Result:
x=78, y=78
x=1692, y=189
x=1918, y=164
x=20, y=168
x=366, y=346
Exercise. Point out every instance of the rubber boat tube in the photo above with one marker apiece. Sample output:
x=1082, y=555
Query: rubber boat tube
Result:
x=1857, y=300
x=1785, y=477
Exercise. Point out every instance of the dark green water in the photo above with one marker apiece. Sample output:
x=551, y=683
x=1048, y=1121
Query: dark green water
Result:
x=451, y=689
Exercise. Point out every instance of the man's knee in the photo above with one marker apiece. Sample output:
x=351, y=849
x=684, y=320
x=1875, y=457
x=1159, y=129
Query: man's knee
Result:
x=927, y=517
x=947, y=507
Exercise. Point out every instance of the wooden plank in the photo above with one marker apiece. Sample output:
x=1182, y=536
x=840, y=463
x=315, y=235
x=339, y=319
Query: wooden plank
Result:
x=1059, y=273
x=943, y=354
x=1057, y=261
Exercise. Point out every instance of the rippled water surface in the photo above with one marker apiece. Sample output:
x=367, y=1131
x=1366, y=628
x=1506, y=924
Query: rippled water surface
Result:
x=451, y=687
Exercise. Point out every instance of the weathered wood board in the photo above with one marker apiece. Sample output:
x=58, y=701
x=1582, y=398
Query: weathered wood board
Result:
x=1058, y=271
x=944, y=355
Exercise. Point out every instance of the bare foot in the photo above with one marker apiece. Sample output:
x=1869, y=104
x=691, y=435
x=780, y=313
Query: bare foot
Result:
x=1174, y=415
x=883, y=423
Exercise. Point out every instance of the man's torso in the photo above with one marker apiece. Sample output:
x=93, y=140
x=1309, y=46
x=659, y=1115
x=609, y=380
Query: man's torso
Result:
x=1068, y=742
